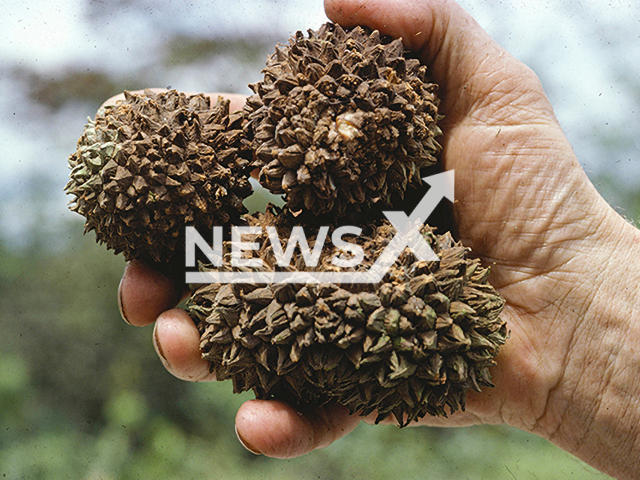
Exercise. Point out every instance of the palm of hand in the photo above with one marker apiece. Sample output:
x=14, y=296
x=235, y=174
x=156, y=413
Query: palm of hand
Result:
x=521, y=205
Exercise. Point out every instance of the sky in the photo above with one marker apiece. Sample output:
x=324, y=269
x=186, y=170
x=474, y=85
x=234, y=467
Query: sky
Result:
x=585, y=53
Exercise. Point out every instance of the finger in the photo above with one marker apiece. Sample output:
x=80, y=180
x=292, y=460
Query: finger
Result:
x=236, y=100
x=462, y=57
x=144, y=293
x=177, y=343
x=275, y=429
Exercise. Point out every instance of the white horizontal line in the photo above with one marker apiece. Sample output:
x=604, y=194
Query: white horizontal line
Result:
x=282, y=277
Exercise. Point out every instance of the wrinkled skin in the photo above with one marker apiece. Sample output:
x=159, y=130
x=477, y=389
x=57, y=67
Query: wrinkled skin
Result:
x=562, y=258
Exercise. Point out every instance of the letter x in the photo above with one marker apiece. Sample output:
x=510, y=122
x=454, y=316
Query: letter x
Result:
x=408, y=227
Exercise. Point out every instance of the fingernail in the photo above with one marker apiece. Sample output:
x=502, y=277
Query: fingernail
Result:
x=158, y=348
x=120, y=307
x=246, y=444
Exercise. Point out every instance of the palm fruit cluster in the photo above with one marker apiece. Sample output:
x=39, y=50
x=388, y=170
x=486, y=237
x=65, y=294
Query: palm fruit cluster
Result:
x=153, y=163
x=342, y=120
x=344, y=125
x=409, y=346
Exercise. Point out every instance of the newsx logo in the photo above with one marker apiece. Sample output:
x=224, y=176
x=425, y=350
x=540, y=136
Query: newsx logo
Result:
x=407, y=236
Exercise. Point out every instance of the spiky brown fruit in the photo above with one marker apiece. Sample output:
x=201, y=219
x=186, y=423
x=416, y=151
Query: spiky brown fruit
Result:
x=342, y=120
x=409, y=346
x=153, y=163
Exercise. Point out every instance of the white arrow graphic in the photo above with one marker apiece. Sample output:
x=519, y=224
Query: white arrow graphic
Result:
x=442, y=186
x=408, y=235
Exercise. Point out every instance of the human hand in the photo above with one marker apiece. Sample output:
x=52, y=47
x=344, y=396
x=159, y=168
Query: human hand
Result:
x=524, y=205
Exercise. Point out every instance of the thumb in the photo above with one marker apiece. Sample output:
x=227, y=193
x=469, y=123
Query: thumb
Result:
x=471, y=69
x=275, y=429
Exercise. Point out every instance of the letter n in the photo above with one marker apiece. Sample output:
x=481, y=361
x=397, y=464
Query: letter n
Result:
x=193, y=238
